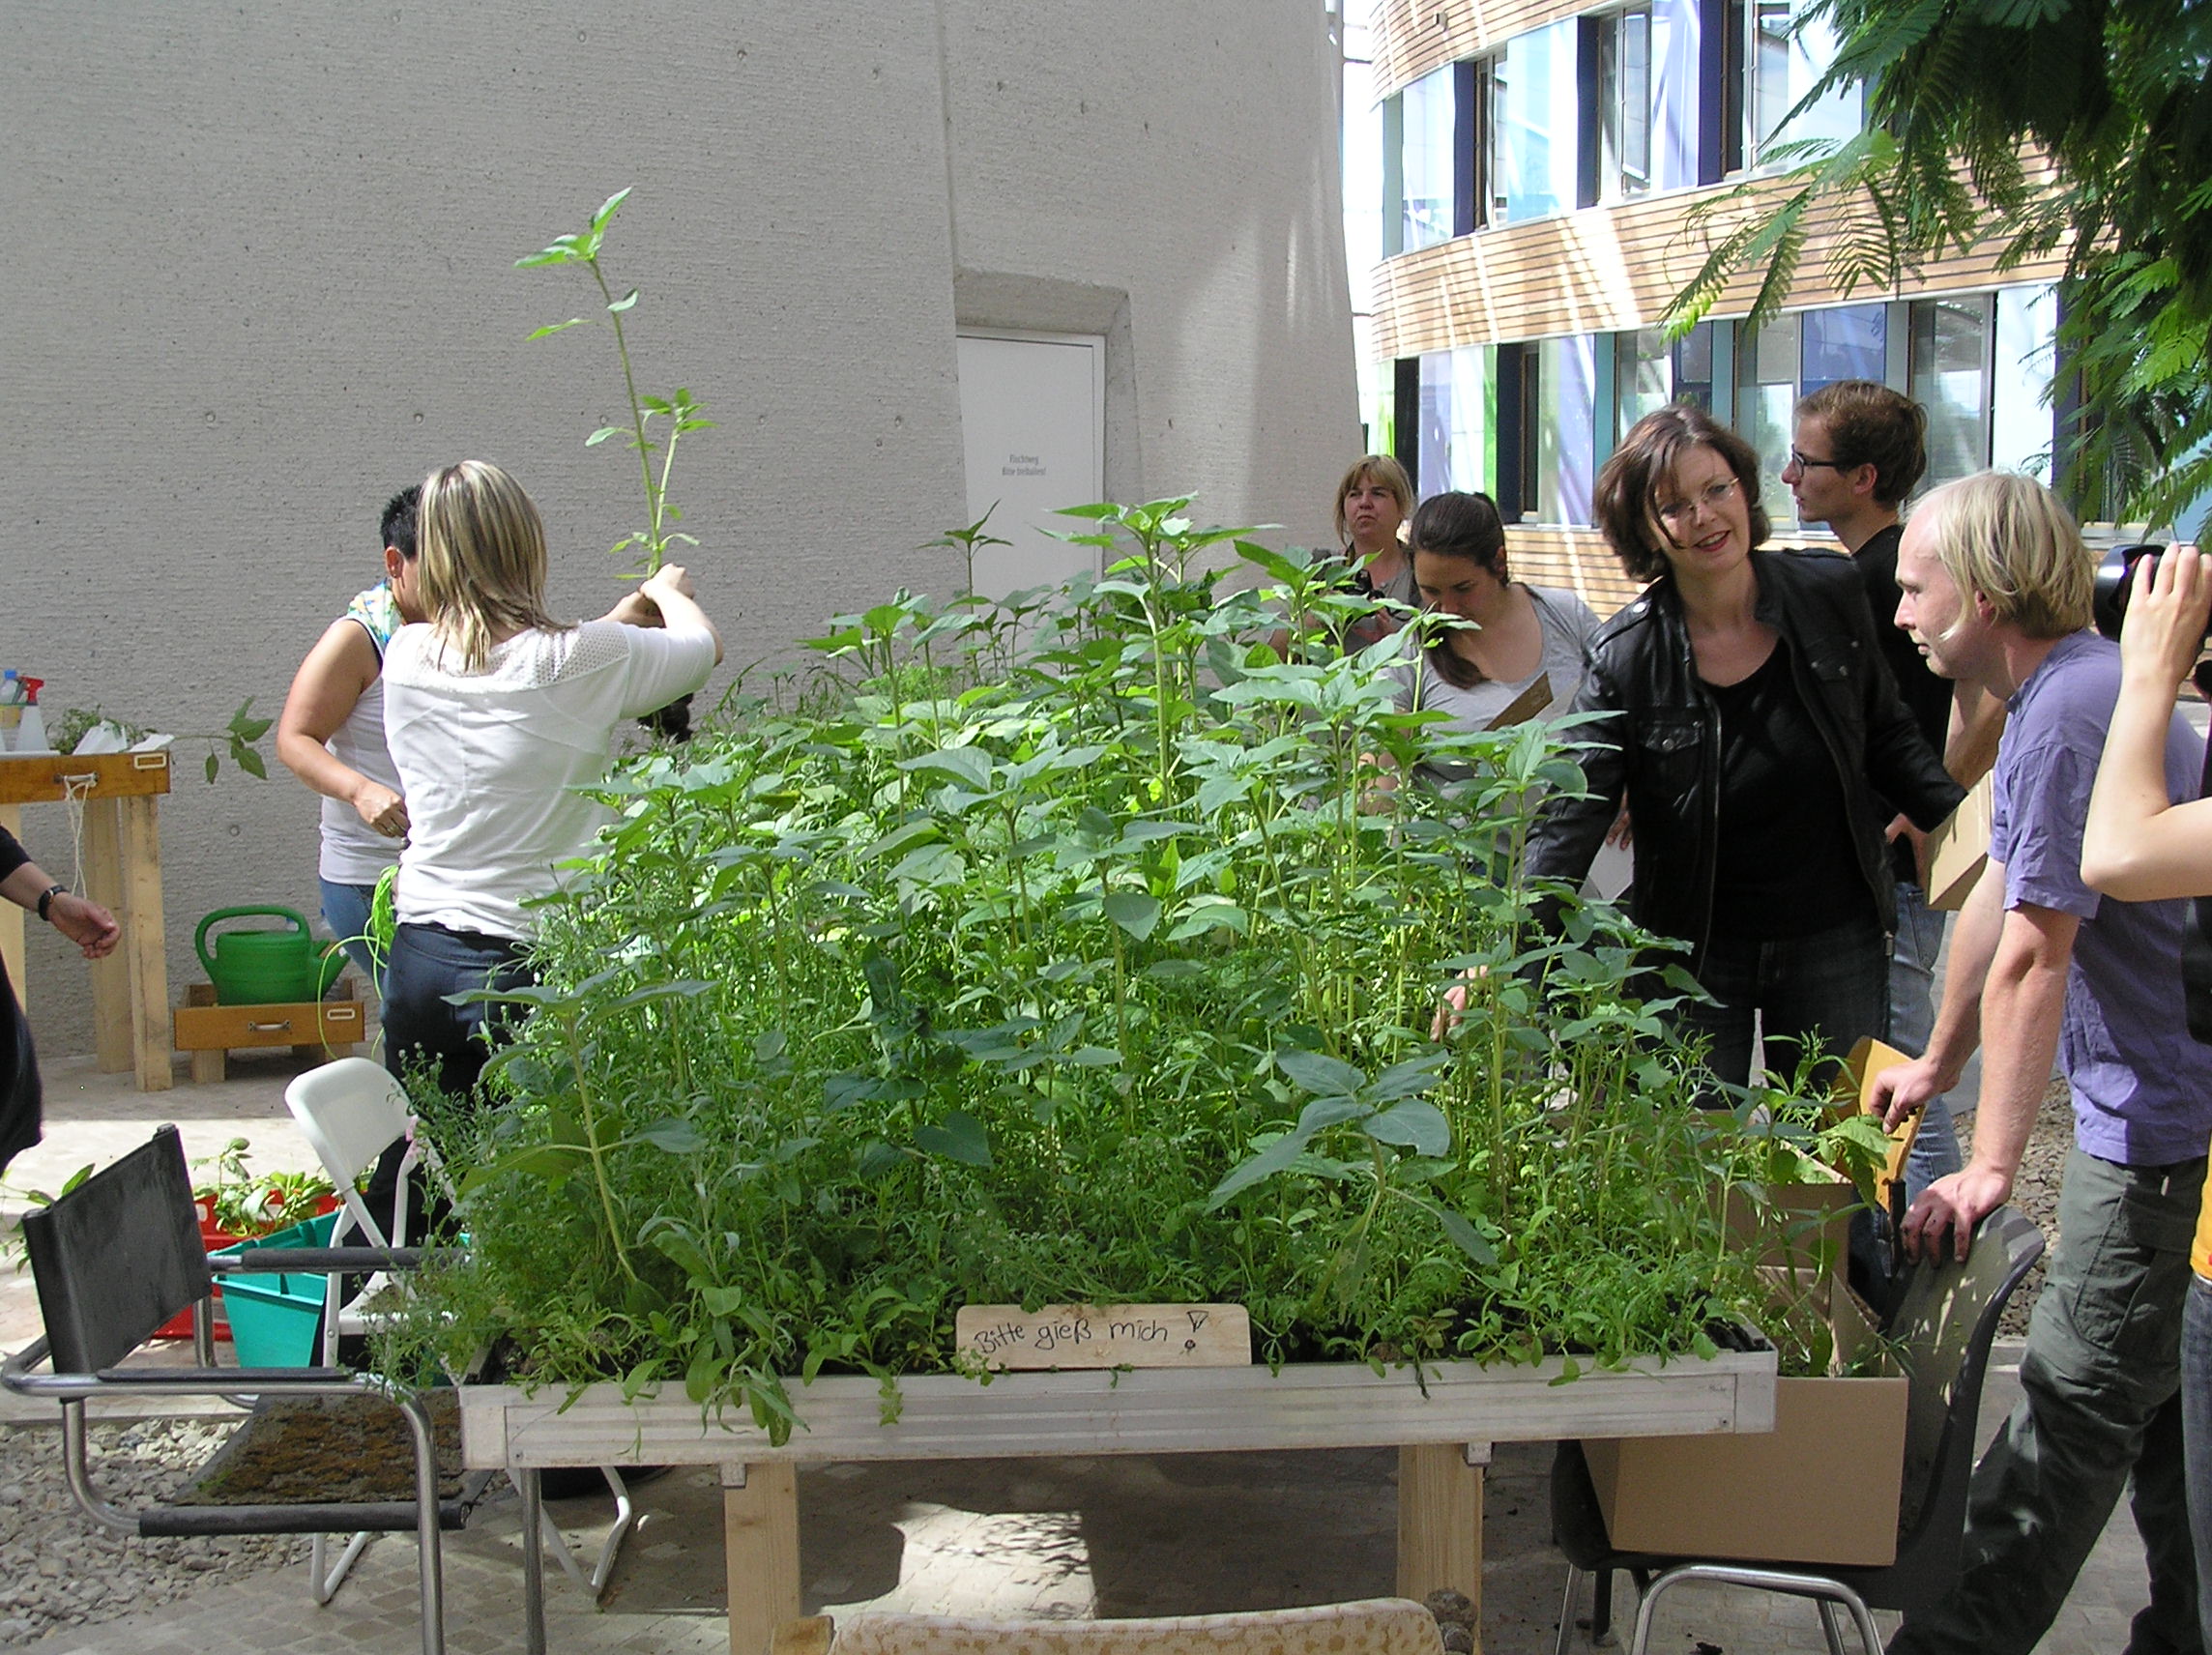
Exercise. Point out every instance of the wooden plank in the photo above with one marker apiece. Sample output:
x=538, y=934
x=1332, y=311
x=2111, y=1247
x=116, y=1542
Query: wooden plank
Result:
x=12, y=917
x=144, y=940
x=51, y=779
x=1158, y=1411
x=760, y=1547
x=1009, y=1338
x=1439, y=1520
x=101, y=849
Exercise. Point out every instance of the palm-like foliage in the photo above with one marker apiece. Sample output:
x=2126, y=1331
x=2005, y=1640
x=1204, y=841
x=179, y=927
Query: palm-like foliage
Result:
x=2027, y=127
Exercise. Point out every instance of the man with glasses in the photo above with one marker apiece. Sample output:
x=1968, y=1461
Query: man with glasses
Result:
x=1857, y=449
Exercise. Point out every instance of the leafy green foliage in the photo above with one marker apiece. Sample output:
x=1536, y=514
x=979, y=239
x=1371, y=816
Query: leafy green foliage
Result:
x=678, y=415
x=1966, y=102
x=1064, y=950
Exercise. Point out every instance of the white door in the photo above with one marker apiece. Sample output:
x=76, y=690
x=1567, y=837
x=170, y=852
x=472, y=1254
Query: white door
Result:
x=1032, y=408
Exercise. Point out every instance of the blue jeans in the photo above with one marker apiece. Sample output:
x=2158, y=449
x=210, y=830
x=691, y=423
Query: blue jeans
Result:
x=345, y=910
x=1830, y=987
x=2197, y=1436
x=1911, y=1020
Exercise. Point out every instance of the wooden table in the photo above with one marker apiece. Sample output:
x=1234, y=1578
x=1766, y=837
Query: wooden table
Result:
x=1443, y=1424
x=121, y=867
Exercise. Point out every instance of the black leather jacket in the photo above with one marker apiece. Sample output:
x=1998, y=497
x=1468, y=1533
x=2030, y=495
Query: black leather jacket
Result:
x=1660, y=745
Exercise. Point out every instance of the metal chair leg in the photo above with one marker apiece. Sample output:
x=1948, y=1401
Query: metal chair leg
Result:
x=533, y=1563
x=1824, y=1592
x=610, y=1550
x=1830, y=1628
x=326, y=1583
x=1567, y=1608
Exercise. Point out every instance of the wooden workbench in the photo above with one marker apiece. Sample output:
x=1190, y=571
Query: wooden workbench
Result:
x=1442, y=1422
x=122, y=851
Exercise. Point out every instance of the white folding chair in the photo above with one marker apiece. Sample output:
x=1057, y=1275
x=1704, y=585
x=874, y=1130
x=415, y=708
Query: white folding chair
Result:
x=350, y=1112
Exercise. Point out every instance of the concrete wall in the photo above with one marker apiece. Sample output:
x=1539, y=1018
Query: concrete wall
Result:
x=257, y=275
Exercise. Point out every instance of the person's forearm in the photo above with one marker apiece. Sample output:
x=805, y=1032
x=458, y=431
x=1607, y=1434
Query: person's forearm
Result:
x=1957, y=1029
x=26, y=884
x=1977, y=725
x=319, y=766
x=2136, y=845
x=680, y=613
x=2020, y=1011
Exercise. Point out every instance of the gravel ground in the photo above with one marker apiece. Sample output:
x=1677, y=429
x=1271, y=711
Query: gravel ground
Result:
x=59, y=1569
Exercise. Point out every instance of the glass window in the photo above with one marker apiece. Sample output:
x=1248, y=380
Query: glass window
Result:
x=1535, y=100
x=1566, y=399
x=1951, y=340
x=1458, y=437
x=1624, y=104
x=1425, y=166
x=1674, y=94
x=2027, y=359
x=1848, y=343
x=1787, y=60
x=1765, y=399
x=1648, y=373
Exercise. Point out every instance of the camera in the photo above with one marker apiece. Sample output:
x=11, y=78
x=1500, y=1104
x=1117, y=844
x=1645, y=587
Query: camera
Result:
x=2116, y=575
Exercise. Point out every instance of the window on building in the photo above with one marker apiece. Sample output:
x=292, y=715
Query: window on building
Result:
x=2021, y=430
x=1952, y=346
x=1458, y=444
x=1624, y=89
x=1850, y=341
x=1534, y=98
x=1566, y=427
x=1648, y=373
x=1425, y=160
x=1772, y=57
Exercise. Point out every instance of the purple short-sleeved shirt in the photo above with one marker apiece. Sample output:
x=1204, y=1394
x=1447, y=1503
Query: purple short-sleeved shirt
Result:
x=2141, y=1087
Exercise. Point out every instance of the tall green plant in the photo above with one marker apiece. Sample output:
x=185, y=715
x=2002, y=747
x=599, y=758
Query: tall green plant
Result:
x=679, y=415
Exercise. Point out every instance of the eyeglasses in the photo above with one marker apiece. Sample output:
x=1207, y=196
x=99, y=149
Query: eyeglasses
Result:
x=1806, y=462
x=1708, y=498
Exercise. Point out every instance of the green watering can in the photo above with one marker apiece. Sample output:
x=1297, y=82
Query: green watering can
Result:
x=263, y=967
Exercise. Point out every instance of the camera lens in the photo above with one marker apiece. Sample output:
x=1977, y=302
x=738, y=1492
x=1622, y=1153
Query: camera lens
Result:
x=2109, y=605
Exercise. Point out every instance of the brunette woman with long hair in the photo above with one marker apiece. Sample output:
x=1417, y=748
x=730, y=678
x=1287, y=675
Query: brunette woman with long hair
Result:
x=1751, y=724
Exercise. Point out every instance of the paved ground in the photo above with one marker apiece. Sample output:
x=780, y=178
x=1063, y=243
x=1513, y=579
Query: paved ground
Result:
x=1053, y=1537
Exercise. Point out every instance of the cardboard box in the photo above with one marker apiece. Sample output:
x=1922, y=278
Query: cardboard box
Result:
x=1822, y=1487
x=1960, y=847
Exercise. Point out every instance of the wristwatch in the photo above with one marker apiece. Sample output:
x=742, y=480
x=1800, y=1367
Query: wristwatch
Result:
x=46, y=897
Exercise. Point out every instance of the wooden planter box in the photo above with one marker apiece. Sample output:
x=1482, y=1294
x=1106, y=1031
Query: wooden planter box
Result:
x=312, y=1028
x=1443, y=1421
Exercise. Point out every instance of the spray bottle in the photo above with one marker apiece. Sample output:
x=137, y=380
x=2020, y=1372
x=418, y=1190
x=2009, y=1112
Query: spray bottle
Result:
x=31, y=726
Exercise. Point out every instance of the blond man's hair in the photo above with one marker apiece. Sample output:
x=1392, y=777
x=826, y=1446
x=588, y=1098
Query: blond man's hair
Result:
x=2013, y=540
x=482, y=560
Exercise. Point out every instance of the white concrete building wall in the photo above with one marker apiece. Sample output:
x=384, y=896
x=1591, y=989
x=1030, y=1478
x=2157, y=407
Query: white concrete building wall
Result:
x=257, y=276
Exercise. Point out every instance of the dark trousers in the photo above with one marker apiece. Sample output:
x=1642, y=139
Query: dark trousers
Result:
x=428, y=963
x=2100, y=1414
x=1831, y=986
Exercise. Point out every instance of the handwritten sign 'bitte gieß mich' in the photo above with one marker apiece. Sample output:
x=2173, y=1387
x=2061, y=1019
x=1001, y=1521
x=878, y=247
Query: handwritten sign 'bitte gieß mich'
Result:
x=1106, y=1335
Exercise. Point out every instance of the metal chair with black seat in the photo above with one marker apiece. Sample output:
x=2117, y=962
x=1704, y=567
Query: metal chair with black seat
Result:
x=1945, y=1319
x=120, y=1255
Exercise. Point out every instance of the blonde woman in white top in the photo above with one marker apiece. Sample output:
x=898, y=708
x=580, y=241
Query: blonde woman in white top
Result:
x=495, y=716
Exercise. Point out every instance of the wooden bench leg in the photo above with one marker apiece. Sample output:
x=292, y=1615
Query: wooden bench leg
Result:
x=1439, y=1519
x=759, y=1542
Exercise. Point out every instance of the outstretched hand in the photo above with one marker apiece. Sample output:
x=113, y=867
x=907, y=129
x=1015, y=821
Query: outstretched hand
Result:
x=87, y=924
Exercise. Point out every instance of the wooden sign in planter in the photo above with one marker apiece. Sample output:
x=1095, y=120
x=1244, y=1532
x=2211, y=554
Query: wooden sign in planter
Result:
x=1443, y=1419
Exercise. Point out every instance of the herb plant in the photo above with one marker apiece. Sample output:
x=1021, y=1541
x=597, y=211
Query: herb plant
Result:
x=1061, y=950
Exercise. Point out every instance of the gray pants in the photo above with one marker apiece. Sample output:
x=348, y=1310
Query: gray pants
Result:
x=2102, y=1408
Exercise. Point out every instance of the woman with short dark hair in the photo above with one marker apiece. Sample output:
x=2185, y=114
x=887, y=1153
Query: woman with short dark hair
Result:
x=1750, y=722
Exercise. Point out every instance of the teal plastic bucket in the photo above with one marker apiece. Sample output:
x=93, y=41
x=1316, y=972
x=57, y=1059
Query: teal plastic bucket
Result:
x=274, y=1320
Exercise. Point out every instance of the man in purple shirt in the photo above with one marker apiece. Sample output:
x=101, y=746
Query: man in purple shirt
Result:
x=1995, y=587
